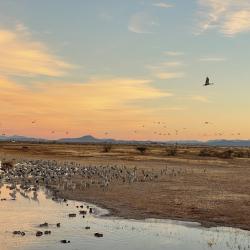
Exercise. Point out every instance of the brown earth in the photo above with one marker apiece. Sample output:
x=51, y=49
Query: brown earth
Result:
x=210, y=190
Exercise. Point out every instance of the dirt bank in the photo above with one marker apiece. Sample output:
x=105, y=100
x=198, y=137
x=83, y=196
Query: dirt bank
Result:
x=212, y=191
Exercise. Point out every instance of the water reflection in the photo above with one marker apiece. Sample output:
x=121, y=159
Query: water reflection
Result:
x=26, y=210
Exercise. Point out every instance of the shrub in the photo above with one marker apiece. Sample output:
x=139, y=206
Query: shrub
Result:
x=227, y=154
x=240, y=154
x=25, y=148
x=248, y=154
x=206, y=153
x=107, y=148
x=141, y=149
x=172, y=151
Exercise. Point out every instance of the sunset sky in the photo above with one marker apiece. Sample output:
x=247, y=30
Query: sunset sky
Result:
x=129, y=69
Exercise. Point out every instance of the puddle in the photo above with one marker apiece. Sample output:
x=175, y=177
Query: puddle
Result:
x=30, y=209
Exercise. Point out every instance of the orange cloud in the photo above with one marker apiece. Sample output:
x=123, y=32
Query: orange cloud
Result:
x=97, y=104
x=20, y=55
x=168, y=75
x=200, y=98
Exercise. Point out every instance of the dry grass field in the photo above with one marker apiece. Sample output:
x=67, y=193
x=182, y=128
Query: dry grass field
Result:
x=208, y=185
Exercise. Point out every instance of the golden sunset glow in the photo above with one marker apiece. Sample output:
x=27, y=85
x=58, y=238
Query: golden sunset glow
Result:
x=122, y=86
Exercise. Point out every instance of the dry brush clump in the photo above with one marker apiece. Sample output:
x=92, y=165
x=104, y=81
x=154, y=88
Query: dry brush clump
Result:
x=25, y=148
x=107, y=148
x=172, y=151
x=240, y=153
x=205, y=152
x=141, y=149
x=227, y=154
x=224, y=154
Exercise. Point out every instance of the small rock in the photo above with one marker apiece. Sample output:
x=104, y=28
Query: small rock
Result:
x=58, y=224
x=72, y=215
x=47, y=232
x=87, y=228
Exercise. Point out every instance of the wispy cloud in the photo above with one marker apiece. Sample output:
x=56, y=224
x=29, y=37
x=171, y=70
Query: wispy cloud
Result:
x=142, y=23
x=20, y=55
x=163, y=5
x=168, y=75
x=230, y=17
x=164, y=65
x=166, y=70
x=212, y=59
x=97, y=100
x=175, y=109
x=237, y=22
x=200, y=98
x=173, y=53
x=172, y=64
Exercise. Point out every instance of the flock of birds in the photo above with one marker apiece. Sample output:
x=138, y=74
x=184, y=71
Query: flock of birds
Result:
x=163, y=130
x=72, y=175
x=25, y=177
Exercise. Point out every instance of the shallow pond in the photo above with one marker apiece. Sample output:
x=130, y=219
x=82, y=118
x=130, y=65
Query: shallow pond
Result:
x=30, y=209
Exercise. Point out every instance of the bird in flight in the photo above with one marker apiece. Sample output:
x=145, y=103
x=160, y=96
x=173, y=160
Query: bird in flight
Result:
x=207, y=82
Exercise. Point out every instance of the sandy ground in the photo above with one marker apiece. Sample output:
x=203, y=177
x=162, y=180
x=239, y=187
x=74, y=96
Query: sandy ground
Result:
x=209, y=190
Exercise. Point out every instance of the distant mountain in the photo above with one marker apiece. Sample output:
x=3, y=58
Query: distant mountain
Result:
x=92, y=139
x=84, y=139
x=229, y=143
x=20, y=138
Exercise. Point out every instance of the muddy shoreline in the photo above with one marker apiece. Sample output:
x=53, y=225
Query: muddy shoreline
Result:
x=210, y=191
x=121, y=213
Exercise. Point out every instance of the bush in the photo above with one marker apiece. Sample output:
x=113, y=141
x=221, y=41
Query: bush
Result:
x=240, y=154
x=107, y=148
x=206, y=153
x=248, y=154
x=227, y=154
x=171, y=151
x=141, y=149
x=25, y=148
